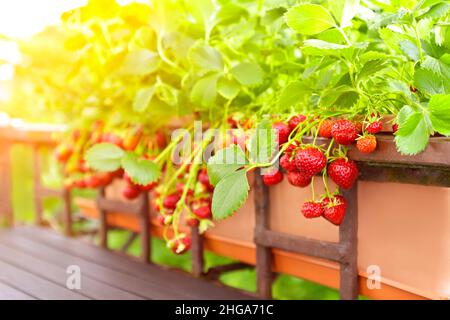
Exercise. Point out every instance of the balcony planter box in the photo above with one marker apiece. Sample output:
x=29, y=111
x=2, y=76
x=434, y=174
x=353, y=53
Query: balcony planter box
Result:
x=404, y=229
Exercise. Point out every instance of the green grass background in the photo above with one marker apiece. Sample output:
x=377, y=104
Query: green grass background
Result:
x=285, y=286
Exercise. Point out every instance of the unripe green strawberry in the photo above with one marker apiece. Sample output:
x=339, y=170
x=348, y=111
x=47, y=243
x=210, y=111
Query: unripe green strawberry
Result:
x=343, y=172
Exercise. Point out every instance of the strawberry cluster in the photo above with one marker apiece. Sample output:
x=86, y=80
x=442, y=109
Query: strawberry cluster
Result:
x=197, y=206
x=301, y=162
x=70, y=153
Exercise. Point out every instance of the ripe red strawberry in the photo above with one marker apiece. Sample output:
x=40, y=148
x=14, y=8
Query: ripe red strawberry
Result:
x=287, y=163
x=63, y=153
x=132, y=139
x=181, y=245
x=374, y=127
x=127, y=178
x=299, y=179
x=165, y=220
x=81, y=184
x=203, y=212
x=292, y=147
x=131, y=192
x=192, y=222
x=93, y=181
x=325, y=128
x=344, y=132
x=310, y=161
x=366, y=143
x=282, y=131
x=343, y=172
x=148, y=186
x=395, y=127
x=170, y=201
x=312, y=209
x=273, y=178
x=203, y=178
x=335, y=209
x=295, y=121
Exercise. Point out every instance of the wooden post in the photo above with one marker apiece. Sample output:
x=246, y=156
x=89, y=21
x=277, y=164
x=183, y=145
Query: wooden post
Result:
x=37, y=186
x=103, y=220
x=348, y=236
x=197, y=252
x=264, y=275
x=144, y=221
x=67, y=211
x=6, y=207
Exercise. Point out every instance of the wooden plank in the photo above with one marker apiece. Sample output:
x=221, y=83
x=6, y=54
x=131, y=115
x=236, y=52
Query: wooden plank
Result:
x=311, y=247
x=435, y=155
x=57, y=273
x=175, y=280
x=10, y=293
x=436, y=176
x=130, y=287
x=34, y=285
x=264, y=274
x=109, y=205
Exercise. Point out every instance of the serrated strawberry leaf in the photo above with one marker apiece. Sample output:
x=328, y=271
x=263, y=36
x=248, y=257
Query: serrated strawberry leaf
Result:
x=105, y=157
x=248, y=73
x=225, y=162
x=439, y=109
x=309, y=19
x=141, y=171
x=413, y=134
x=263, y=143
x=230, y=194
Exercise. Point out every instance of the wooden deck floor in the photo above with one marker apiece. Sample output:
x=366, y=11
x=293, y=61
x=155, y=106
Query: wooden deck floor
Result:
x=34, y=261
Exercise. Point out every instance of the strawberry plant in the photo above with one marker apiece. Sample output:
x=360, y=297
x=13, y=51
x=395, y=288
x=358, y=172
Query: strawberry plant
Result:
x=263, y=74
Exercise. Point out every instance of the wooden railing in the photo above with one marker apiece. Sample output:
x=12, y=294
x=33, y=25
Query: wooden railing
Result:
x=431, y=167
x=37, y=137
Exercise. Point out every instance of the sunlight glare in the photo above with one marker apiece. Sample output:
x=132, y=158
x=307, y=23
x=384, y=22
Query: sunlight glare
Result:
x=24, y=18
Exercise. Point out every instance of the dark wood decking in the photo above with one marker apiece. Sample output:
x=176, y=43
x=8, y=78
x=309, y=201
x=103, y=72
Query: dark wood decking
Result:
x=33, y=264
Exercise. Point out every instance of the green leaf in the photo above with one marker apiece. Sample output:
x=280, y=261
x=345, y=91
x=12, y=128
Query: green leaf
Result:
x=309, y=19
x=344, y=11
x=404, y=114
x=228, y=88
x=330, y=96
x=230, y=194
x=140, y=63
x=104, y=157
x=142, y=99
x=371, y=68
x=225, y=162
x=141, y=171
x=428, y=81
x=410, y=49
x=323, y=48
x=413, y=134
x=263, y=143
x=206, y=58
x=437, y=66
x=436, y=11
x=204, y=91
x=292, y=94
x=439, y=109
x=248, y=73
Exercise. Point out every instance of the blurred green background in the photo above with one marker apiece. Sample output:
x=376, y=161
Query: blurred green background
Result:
x=285, y=287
